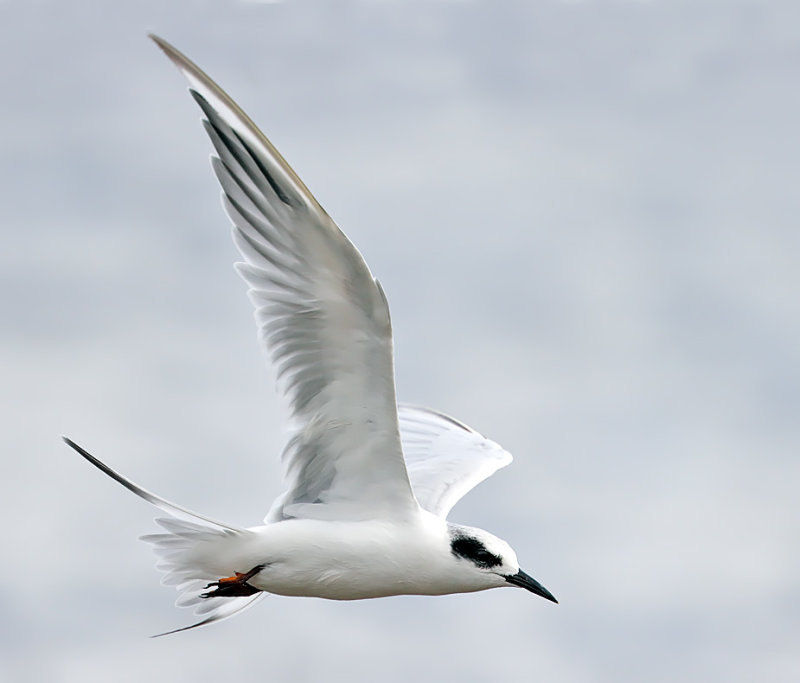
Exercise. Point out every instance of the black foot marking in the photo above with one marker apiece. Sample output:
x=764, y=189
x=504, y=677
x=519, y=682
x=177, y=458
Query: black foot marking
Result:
x=234, y=586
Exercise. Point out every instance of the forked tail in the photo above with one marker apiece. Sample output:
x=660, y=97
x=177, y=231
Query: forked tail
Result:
x=194, y=552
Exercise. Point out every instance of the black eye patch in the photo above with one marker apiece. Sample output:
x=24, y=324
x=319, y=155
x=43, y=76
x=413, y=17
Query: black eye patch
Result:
x=473, y=550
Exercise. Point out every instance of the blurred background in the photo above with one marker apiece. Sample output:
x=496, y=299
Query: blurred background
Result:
x=584, y=215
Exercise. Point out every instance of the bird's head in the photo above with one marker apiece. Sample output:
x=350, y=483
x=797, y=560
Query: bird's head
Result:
x=490, y=559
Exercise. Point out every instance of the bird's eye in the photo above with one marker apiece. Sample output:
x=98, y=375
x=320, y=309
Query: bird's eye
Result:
x=473, y=550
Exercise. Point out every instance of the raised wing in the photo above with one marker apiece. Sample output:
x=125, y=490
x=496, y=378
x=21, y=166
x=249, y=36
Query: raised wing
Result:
x=445, y=458
x=321, y=316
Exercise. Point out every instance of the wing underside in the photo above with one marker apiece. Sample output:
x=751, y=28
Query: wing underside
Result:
x=445, y=458
x=322, y=318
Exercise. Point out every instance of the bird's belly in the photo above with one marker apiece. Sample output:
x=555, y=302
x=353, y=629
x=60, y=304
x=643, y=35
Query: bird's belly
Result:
x=348, y=583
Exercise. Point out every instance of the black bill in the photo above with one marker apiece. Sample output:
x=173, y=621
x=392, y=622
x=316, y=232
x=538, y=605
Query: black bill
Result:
x=522, y=580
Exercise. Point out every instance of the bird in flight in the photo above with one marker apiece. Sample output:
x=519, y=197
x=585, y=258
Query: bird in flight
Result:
x=369, y=483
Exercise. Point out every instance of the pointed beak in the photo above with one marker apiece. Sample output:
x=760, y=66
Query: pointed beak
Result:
x=522, y=580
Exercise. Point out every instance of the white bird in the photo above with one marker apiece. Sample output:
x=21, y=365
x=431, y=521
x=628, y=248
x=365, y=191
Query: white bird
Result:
x=369, y=483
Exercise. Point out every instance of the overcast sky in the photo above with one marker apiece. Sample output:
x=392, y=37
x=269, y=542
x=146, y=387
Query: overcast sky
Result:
x=584, y=215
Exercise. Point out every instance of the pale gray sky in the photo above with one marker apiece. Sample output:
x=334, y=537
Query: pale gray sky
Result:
x=584, y=215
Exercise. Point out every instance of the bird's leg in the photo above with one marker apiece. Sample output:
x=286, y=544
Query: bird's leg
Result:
x=234, y=586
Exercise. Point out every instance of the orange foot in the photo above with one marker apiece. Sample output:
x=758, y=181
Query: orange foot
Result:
x=236, y=577
x=234, y=586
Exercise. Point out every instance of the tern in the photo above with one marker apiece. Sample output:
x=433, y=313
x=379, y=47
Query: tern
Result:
x=369, y=483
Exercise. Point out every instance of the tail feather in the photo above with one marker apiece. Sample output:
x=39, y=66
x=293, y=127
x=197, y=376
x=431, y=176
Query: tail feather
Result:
x=193, y=551
x=227, y=609
x=164, y=505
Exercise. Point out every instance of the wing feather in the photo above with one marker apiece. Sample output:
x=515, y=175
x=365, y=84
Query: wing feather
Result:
x=322, y=318
x=445, y=458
